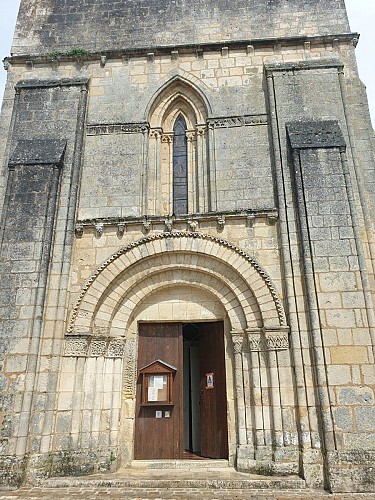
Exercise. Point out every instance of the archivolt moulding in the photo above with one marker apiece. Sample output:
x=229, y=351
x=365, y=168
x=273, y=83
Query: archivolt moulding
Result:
x=138, y=250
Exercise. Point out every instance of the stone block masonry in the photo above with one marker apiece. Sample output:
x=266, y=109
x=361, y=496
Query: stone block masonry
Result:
x=274, y=161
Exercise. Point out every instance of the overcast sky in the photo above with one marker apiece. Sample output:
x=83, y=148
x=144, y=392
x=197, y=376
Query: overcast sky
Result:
x=361, y=16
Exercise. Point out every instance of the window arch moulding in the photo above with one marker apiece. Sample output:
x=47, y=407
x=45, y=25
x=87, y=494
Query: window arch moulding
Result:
x=178, y=99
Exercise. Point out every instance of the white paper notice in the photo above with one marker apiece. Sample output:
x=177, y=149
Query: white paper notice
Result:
x=153, y=393
x=159, y=381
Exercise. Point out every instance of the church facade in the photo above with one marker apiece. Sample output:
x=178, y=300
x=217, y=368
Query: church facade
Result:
x=187, y=248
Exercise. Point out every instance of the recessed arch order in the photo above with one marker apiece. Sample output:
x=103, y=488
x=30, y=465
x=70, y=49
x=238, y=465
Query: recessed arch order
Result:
x=114, y=291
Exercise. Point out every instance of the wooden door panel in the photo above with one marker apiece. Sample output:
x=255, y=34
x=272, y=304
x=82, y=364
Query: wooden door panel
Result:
x=214, y=428
x=159, y=438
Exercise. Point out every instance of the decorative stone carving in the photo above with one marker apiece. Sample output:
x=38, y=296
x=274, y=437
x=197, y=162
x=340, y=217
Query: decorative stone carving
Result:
x=146, y=225
x=115, y=349
x=193, y=225
x=87, y=346
x=130, y=369
x=274, y=340
x=98, y=347
x=121, y=228
x=99, y=228
x=168, y=225
x=79, y=230
x=116, y=128
x=181, y=234
x=221, y=222
x=201, y=130
x=76, y=346
x=272, y=218
x=191, y=136
x=251, y=220
x=155, y=133
x=167, y=138
x=238, y=340
x=237, y=121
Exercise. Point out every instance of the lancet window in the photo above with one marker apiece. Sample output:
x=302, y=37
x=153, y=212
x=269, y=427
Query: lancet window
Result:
x=177, y=169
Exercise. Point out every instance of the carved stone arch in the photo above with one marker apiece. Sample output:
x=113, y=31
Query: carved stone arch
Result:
x=123, y=314
x=177, y=97
x=241, y=274
x=186, y=86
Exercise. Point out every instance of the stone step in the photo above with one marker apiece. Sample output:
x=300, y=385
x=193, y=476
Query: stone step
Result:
x=180, y=464
x=219, y=479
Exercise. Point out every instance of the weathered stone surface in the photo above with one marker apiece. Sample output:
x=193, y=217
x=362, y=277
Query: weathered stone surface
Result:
x=108, y=25
x=276, y=241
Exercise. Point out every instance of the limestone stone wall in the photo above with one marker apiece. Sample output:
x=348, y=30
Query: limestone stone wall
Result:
x=51, y=25
x=277, y=244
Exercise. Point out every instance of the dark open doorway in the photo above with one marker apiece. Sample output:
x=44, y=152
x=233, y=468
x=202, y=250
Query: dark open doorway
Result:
x=194, y=423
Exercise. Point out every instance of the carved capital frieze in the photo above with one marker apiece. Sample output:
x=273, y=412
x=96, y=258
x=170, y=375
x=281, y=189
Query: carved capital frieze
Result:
x=274, y=339
x=88, y=346
x=191, y=136
x=167, y=138
x=238, y=341
x=155, y=133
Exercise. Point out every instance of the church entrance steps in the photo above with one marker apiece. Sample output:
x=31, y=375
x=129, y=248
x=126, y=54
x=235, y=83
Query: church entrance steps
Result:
x=213, y=478
x=198, y=463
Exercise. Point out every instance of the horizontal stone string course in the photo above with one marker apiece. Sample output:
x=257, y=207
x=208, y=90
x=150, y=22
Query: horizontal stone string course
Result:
x=117, y=128
x=192, y=221
x=136, y=128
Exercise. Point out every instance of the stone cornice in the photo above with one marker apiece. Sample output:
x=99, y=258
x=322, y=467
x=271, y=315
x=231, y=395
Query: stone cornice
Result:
x=167, y=222
x=103, y=56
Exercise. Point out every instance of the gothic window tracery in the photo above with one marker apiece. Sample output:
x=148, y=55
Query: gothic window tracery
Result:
x=177, y=170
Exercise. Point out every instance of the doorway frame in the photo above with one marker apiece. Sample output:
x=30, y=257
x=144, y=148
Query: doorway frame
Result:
x=179, y=418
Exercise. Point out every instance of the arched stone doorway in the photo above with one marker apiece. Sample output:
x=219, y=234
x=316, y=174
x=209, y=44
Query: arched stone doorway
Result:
x=192, y=277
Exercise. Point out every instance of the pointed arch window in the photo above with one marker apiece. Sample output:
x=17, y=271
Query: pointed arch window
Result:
x=176, y=179
x=180, y=167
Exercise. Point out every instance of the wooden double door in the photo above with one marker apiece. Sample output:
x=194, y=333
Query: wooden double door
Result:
x=194, y=422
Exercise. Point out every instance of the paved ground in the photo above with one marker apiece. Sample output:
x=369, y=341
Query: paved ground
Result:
x=180, y=494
